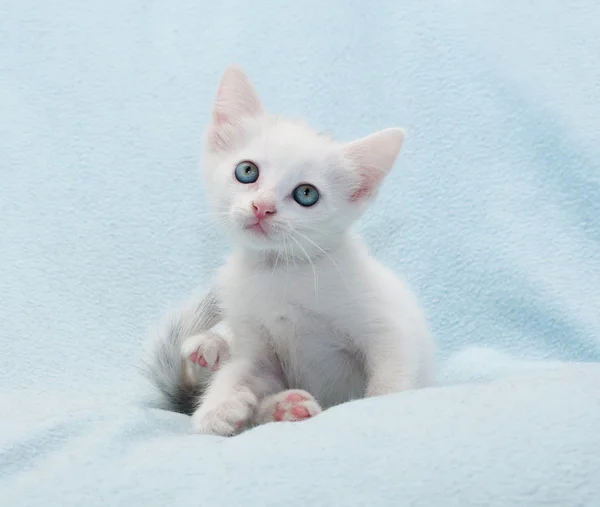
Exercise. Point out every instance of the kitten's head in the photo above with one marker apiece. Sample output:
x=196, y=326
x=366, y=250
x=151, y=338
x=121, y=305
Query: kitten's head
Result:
x=275, y=184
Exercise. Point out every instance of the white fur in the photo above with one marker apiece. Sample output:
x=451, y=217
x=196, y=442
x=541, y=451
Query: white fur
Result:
x=307, y=305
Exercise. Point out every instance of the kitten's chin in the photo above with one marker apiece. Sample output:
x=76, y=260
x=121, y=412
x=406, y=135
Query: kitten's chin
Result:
x=255, y=238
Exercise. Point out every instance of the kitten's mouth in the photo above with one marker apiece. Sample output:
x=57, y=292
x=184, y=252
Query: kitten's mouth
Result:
x=258, y=228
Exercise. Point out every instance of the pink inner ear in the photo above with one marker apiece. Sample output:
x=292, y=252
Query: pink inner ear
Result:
x=218, y=135
x=359, y=194
x=369, y=180
x=219, y=119
x=216, y=139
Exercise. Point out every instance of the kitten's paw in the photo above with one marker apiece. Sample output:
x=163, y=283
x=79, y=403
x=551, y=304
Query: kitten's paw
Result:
x=208, y=350
x=290, y=405
x=226, y=418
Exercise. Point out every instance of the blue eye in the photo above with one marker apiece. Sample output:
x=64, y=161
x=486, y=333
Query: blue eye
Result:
x=246, y=172
x=305, y=195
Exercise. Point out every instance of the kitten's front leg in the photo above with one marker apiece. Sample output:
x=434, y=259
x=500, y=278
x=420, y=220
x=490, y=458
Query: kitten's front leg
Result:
x=229, y=402
x=232, y=398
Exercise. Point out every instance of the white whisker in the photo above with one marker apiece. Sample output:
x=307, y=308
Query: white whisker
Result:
x=276, y=261
x=293, y=256
x=329, y=256
x=315, y=275
x=287, y=267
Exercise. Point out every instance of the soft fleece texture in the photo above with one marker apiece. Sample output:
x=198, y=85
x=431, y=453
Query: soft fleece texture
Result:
x=492, y=214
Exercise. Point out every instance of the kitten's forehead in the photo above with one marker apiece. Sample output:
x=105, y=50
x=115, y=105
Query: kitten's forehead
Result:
x=283, y=142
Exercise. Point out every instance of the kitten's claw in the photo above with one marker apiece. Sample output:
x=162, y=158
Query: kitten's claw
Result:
x=209, y=350
x=290, y=405
x=227, y=418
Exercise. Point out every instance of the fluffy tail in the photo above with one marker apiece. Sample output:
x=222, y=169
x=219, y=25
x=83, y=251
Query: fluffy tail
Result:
x=165, y=367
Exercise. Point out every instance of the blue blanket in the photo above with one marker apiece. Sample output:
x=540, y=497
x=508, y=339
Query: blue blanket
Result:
x=492, y=214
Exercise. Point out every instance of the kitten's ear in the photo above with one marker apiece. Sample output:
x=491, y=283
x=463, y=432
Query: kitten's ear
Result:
x=373, y=157
x=236, y=99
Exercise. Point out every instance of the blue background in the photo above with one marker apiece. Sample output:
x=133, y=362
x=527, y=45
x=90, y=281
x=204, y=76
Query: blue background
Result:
x=491, y=213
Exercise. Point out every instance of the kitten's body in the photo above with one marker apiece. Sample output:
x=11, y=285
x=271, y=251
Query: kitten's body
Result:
x=307, y=306
x=321, y=339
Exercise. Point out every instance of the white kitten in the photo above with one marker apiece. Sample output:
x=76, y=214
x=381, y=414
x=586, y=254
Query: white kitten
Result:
x=309, y=309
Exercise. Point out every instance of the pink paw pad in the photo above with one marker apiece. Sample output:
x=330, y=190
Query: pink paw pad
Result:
x=196, y=359
x=292, y=409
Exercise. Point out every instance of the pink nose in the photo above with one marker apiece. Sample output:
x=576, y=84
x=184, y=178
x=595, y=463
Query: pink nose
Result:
x=262, y=209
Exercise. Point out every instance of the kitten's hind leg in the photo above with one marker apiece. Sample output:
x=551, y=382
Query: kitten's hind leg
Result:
x=208, y=350
x=202, y=355
x=290, y=405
